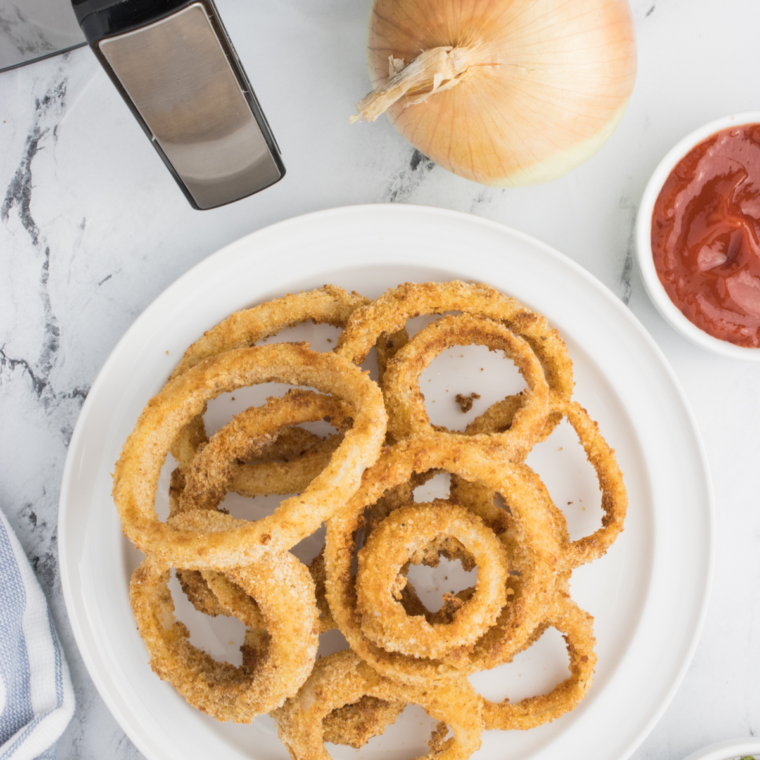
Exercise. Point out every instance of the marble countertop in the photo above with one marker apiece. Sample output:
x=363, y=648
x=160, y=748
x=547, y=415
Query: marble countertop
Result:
x=93, y=228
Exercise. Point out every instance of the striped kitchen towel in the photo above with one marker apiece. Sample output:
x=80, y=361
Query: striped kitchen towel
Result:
x=36, y=698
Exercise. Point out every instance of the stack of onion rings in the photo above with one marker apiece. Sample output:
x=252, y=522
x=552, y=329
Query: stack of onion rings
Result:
x=400, y=652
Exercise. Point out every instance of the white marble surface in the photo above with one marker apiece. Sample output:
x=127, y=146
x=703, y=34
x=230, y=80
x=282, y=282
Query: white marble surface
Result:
x=93, y=228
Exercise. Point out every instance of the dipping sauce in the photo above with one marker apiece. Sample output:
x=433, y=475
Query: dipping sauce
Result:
x=706, y=235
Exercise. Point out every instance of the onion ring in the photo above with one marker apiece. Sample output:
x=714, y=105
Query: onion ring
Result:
x=139, y=466
x=389, y=313
x=537, y=556
x=208, y=478
x=405, y=403
x=342, y=678
x=284, y=466
x=577, y=629
x=599, y=454
x=285, y=594
x=614, y=495
x=396, y=541
x=328, y=305
x=214, y=469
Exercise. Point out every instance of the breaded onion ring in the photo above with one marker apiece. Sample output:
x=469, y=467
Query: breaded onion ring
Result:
x=284, y=466
x=138, y=468
x=614, y=494
x=576, y=626
x=401, y=538
x=284, y=592
x=536, y=557
x=390, y=312
x=328, y=305
x=598, y=453
x=405, y=403
x=214, y=469
x=342, y=678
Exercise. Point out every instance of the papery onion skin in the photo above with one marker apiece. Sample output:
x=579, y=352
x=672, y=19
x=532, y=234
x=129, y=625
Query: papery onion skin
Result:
x=565, y=72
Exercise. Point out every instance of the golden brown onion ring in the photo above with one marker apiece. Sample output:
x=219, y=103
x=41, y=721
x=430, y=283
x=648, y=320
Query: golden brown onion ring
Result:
x=576, y=626
x=342, y=678
x=214, y=468
x=536, y=557
x=401, y=538
x=285, y=466
x=614, y=494
x=328, y=305
x=598, y=453
x=405, y=403
x=208, y=478
x=284, y=593
x=138, y=468
x=390, y=312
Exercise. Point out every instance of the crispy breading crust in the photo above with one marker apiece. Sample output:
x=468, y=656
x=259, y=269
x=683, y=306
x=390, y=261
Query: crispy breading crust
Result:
x=399, y=539
x=405, y=403
x=343, y=678
x=327, y=305
x=390, y=312
x=284, y=591
x=355, y=724
x=536, y=556
x=138, y=468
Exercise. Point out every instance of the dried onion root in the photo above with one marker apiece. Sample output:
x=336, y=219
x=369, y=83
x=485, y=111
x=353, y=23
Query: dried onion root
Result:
x=342, y=678
x=401, y=538
x=284, y=593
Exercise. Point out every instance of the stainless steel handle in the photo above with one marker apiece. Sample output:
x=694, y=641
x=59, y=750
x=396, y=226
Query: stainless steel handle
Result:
x=188, y=93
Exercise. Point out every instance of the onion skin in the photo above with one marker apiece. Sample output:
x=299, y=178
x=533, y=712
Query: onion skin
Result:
x=560, y=76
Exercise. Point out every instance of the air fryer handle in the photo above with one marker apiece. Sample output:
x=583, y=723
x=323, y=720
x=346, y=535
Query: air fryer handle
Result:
x=175, y=66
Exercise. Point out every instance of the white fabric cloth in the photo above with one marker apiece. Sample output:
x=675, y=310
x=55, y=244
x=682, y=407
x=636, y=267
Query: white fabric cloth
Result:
x=36, y=698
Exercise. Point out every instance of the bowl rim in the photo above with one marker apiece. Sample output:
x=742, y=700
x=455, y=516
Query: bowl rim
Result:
x=657, y=293
x=728, y=749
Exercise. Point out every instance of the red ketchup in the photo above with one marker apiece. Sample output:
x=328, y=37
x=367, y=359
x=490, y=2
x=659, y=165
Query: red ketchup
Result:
x=706, y=235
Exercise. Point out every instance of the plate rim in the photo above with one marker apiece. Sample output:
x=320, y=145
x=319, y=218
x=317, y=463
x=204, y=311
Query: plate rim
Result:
x=293, y=223
x=727, y=749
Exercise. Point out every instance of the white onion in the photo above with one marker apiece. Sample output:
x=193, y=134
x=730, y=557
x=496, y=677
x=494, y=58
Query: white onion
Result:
x=502, y=92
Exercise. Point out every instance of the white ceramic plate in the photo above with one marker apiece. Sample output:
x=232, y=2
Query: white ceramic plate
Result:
x=648, y=594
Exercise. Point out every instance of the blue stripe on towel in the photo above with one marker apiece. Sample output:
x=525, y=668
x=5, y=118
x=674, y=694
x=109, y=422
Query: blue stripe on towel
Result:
x=14, y=658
